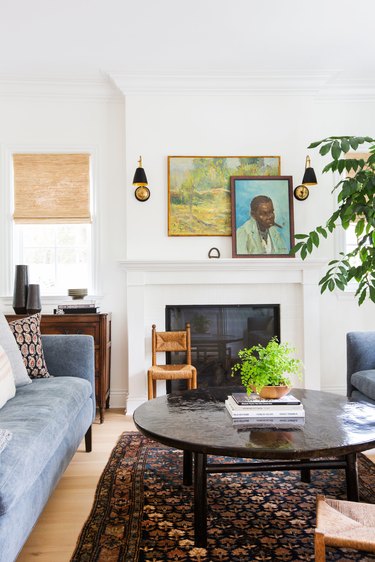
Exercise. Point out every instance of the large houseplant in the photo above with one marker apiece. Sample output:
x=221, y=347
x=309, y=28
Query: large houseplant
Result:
x=267, y=366
x=356, y=204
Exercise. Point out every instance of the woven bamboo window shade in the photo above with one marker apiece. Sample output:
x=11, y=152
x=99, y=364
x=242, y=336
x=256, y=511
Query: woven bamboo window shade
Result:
x=51, y=188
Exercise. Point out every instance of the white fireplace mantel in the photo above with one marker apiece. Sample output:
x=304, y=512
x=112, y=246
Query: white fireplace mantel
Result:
x=291, y=282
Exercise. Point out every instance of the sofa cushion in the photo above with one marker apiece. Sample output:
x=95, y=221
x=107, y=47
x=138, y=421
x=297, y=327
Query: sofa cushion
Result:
x=39, y=417
x=365, y=382
x=5, y=437
x=27, y=334
x=7, y=386
x=11, y=348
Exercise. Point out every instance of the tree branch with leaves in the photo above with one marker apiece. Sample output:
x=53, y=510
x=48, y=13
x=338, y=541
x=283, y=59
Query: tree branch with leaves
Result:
x=356, y=204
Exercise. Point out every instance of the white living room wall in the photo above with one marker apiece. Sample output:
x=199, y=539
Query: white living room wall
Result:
x=122, y=127
x=202, y=125
x=73, y=116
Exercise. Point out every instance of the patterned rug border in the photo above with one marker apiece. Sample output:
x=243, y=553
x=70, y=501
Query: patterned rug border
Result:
x=116, y=515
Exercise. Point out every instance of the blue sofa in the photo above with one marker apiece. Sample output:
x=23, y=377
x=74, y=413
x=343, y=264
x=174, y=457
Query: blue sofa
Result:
x=48, y=419
x=360, y=347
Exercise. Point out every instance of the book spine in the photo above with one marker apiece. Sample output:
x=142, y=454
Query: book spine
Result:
x=68, y=306
x=274, y=422
x=264, y=415
x=80, y=310
x=262, y=403
x=261, y=409
x=242, y=399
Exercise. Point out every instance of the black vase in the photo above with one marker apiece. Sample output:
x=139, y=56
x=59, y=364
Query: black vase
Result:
x=21, y=283
x=33, y=304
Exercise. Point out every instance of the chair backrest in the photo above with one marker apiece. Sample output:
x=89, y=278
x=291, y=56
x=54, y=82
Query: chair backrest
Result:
x=171, y=341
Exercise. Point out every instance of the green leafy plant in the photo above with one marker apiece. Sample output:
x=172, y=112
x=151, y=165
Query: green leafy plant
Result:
x=356, y=204
x=267, y=365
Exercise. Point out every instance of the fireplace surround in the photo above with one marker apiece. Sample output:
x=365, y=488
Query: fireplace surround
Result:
x=151, y=285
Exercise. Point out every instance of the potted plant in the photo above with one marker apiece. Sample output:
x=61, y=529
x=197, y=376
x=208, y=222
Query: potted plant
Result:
x=356, y=205
x=266, y=369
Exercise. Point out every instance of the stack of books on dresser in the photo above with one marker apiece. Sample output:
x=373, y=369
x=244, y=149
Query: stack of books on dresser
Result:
x=251, y=410
x=78, y=308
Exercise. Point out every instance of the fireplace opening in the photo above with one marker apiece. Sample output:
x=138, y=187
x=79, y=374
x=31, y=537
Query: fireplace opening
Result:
x=218, y=332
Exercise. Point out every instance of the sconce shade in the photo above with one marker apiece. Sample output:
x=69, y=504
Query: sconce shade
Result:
x=142, y=192
x=309, y=177
x=140, y=177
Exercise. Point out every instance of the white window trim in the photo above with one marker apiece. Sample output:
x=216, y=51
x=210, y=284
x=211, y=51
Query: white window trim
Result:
x=6, y=211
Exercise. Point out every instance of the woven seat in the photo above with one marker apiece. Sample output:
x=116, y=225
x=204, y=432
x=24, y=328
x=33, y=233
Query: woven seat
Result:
x=343, y=524
x=171, y=341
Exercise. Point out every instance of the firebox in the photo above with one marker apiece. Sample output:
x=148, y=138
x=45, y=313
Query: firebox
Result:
x=218, y=332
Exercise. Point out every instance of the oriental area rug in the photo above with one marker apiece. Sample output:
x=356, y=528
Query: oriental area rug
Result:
x=142, y=512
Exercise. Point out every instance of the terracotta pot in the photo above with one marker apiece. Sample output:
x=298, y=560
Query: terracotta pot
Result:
x=270, y=392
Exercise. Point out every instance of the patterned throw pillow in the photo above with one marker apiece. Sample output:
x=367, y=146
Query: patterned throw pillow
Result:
x=27, y=334
x=7, y=386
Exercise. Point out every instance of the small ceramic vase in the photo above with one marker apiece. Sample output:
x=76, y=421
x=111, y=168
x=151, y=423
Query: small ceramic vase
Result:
x=21, y=282
x=33, y=300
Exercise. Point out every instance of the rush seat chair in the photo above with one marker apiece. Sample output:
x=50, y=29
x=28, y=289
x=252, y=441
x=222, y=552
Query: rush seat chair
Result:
x=345, y=524
x=171, y=341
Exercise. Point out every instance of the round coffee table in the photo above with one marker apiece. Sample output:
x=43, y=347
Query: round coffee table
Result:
x=196, y=421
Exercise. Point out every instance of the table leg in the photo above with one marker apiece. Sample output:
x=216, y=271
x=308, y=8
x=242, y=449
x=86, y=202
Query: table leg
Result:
x=200, y=499
x=187, y=475
x=306, y=475
x=352, y=477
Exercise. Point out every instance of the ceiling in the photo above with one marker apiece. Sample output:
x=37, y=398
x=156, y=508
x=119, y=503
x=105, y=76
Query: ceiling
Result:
x=332, y=39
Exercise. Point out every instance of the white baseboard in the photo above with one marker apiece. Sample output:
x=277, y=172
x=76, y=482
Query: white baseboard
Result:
x=118, y=398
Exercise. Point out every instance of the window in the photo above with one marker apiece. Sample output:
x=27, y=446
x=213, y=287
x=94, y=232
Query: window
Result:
x=52, y=220
x=350, y=235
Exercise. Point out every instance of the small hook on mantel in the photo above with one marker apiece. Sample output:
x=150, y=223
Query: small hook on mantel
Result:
x=214, y=253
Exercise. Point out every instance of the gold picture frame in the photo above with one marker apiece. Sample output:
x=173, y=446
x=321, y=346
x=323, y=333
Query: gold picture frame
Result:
x=199, y=192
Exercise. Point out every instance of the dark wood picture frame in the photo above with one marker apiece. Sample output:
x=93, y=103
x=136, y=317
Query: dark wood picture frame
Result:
x=266, y=230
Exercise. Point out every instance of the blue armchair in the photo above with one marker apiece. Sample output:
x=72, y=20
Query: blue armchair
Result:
x=360, y=348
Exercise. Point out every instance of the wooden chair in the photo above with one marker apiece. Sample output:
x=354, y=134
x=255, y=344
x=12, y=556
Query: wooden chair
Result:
x=176, y=342
x=343, y=524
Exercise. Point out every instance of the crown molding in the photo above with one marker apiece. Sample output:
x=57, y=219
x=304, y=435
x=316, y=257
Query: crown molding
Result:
x=72, y=87
x=323, y=86
x=259, y=83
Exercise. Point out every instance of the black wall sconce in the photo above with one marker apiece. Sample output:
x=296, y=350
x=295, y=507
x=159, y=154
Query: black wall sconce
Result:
x=142, y=192
x=301, y=192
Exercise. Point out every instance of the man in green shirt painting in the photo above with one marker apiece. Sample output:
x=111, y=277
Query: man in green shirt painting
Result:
x=260, y=234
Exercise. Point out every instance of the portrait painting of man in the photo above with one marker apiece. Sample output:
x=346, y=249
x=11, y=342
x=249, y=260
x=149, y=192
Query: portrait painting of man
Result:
x=262, y=216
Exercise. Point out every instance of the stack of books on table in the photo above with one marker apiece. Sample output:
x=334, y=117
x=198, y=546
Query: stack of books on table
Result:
x=252, y=410
x=77, y=308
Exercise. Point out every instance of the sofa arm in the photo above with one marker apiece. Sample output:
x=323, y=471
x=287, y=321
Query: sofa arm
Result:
x=360, y=350
x=71, y=355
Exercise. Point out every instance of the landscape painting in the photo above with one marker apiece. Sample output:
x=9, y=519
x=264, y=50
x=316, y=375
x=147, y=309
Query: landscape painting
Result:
x=199, y=193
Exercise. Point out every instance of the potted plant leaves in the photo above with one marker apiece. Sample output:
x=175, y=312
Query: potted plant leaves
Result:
x=267, y=369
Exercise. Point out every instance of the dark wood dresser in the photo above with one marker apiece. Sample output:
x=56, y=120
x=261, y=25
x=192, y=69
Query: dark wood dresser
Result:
x=96, y=325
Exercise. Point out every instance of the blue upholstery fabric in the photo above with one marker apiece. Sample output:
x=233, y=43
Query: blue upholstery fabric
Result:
x=19, y=521
x=48, y=419
x=48, y=407
x=360, y=348
x=73, y=356
x=364, y=381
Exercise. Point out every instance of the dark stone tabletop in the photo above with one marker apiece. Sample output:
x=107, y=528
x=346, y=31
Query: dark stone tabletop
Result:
x=198, y=421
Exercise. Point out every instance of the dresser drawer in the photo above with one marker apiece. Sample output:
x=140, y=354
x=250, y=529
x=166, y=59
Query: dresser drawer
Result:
x=71, y=328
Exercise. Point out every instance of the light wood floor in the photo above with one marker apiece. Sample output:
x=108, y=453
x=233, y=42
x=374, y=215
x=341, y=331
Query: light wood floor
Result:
x=54, y=537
